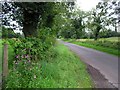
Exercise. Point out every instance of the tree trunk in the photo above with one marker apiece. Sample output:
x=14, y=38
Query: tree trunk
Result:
x=115, y=27
x=30, y=23
x=97, y=32
x=96, y=36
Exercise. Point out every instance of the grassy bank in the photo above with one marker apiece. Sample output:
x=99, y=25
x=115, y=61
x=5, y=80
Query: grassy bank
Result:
x=108, y=45
x=100, y=48
x=60, y=69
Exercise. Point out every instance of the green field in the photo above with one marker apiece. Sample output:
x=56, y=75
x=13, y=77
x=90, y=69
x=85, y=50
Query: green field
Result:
x=108, y=45
x=116, y=39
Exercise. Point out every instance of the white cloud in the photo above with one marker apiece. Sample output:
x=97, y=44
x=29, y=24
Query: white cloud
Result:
x=87, y=5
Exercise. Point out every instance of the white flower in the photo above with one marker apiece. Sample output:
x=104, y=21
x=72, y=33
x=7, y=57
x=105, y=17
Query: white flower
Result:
x=34, y=76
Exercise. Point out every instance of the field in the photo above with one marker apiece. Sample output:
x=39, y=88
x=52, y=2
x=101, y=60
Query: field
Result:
x=114, y=39
x=108, y=45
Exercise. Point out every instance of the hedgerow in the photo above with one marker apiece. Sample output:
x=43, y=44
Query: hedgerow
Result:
x=28, y=52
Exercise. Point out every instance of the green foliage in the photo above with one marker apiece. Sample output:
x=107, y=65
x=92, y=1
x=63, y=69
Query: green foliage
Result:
x=29, y=48
x=46, y=35
x=99, y=18
x=73, y=27
x=109, y=33
x=7, y=33
x=60, y=69
x=30, y=15
x=27, y=52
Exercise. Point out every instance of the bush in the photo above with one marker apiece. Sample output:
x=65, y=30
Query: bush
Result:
x=28, y=52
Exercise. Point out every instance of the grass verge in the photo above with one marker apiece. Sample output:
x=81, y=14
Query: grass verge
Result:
x=60, y=69
x=100, y=48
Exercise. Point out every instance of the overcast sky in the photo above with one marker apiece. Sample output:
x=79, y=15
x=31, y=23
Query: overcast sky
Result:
x=87, y=5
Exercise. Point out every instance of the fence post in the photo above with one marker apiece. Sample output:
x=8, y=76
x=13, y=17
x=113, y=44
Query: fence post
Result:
x=5, y=60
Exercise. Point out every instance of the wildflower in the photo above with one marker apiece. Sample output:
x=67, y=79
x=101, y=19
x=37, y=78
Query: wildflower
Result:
x=26, y=56
x=31, y=56
x=30, y=68
x=24, y=49
x=16, y=62
x=29, y=61
x=22, y=56
x=17, y=56
x=25, y=62
x=34, y=76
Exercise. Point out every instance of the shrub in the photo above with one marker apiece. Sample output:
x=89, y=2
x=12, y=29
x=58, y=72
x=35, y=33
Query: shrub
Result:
x=28, y=52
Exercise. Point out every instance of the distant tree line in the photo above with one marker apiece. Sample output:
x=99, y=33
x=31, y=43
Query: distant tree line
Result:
x=93, y=24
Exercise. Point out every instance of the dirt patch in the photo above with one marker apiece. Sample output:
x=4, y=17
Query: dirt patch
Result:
x=99, y=80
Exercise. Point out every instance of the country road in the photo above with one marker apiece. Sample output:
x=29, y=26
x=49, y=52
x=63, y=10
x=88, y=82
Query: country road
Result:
x=106, y=64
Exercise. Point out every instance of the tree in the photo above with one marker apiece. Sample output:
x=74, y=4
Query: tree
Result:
x=63, y=23
x=74, y=26
x=30, y=14
x=115, y=14
x=79, y=24
x=27, y=14
x=99, y=18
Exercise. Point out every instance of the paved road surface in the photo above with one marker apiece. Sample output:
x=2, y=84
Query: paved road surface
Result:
x=107, y=64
